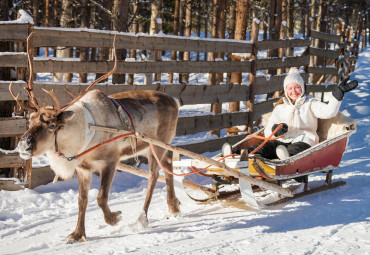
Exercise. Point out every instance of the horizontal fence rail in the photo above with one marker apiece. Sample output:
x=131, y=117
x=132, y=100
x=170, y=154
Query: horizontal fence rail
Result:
x=79, y=37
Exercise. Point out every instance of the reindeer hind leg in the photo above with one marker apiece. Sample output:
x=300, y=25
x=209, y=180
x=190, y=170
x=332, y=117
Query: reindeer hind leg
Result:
x=172, y=201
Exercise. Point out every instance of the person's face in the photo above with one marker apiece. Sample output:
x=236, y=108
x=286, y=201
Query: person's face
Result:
x=293, y=91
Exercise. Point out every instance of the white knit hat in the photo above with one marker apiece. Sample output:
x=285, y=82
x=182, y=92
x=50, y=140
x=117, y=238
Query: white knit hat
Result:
x=293, y=76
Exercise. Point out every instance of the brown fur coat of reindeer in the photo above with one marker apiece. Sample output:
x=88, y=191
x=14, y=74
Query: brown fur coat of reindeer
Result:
x=54, y=131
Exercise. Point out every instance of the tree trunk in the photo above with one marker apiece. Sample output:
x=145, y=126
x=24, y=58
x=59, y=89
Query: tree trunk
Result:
x=66, y=21
x=231, y=30
x=283, y=30
x=290, y=25
x=241, y=24
x=181, y=31
x=135, y=29
x=47, y=22
x=84, y=51
x=103, y=53
x=154, y=29
x=188, y=11
x=120, y=18
x=175, y=32
x=198, y=24
x=220, y=28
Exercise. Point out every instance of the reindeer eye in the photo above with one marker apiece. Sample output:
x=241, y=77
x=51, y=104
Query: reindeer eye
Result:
x=51, y=126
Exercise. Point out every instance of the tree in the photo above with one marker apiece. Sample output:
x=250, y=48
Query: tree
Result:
x=84, y=23
x=120, y=17
x=134, y=29
x=176, y=16
x=66, y=20
x=241, y=24
x=188, y=10
x=218, y=31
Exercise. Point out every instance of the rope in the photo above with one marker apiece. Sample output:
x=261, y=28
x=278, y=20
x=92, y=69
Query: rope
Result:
x=96, y=146
x=194, y=170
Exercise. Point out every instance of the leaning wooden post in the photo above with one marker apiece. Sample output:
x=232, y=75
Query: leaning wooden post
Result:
x=30, y=53
x=252, y=74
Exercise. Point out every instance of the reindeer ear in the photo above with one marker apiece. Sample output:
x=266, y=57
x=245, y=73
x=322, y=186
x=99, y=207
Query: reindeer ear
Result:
x=65, y=116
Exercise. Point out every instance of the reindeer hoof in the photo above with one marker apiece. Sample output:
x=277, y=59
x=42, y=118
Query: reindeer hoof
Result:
x=75, y=238
x=114, y=218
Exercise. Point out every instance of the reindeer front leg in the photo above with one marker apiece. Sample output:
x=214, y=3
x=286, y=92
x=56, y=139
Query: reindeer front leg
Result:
x=84, y=180
x=107, y=174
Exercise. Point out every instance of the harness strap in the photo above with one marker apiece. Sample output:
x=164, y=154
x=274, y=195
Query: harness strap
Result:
x=127, y=123
x=89, y=134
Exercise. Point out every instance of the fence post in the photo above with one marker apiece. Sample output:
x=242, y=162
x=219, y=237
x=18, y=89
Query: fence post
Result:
x=252, y=74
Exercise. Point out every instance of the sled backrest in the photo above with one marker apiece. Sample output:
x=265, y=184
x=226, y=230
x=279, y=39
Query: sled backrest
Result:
x=328, y=128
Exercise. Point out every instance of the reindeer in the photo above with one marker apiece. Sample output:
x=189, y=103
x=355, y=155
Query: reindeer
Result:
x=63, y=132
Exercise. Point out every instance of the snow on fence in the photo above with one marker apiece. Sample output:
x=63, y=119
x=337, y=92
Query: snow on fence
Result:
x=342, y=59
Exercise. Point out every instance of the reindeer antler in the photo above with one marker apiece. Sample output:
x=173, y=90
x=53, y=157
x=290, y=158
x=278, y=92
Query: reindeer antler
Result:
x=54, y=97
x=82, y=93
x=20, y=104
x=30, y=79
x=35, y=107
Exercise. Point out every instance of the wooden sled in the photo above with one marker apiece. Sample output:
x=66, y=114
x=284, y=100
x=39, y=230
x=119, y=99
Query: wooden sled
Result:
x=321, y=158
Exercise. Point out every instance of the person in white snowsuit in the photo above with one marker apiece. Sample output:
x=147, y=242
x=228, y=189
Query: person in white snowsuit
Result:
x=299, y=113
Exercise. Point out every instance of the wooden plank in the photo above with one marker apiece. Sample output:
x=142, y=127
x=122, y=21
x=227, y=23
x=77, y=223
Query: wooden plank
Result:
x=211, y=145
x=18, y=87
x=75, y=66
x=325, y=37
x=11, y=160
x=187, y=94
x=41, y=176
x=286, y=43
x=13, y=59
x=275, y=63
x=323, y=70
x=262, y=108
x=13, y=32
x=196, y=124
x=324, y=53
x=268, y=84
x=10, y=185
x=320, y=88
x=12, y=126
x=79, y=37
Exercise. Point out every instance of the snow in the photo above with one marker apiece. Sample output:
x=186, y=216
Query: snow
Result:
x=24, y=18
x=331, y=222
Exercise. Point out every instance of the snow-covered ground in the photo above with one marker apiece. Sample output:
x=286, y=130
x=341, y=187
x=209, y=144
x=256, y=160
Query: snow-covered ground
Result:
x=331, y=222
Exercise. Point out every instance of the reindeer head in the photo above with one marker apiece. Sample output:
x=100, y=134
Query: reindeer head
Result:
x=41, y=134
x=45, y=121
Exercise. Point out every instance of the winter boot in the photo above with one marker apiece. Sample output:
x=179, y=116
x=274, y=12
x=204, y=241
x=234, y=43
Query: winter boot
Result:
x=282, y=152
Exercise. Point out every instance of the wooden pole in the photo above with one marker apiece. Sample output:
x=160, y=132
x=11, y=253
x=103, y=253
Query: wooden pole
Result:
x=162, y=178
x=230, y=171
x=252, y=75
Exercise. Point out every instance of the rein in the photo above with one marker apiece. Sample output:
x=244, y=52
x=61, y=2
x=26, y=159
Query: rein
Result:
x=193, y=170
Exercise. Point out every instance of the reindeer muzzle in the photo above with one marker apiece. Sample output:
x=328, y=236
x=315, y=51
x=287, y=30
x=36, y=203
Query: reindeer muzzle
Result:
x=25, y=147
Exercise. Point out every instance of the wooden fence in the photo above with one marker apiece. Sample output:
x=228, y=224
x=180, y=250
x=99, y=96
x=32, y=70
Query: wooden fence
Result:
x=340, y=51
